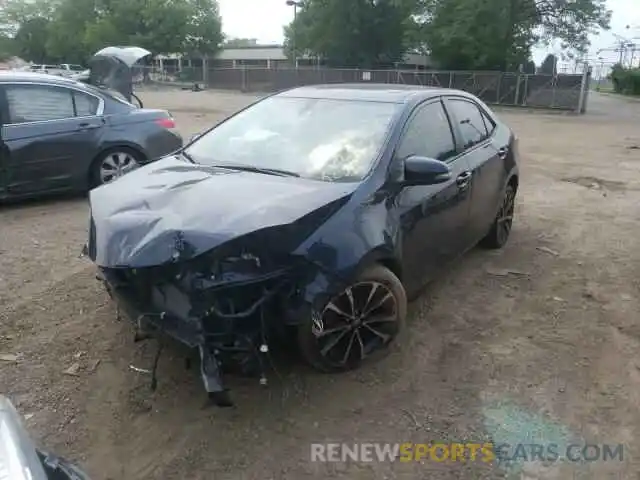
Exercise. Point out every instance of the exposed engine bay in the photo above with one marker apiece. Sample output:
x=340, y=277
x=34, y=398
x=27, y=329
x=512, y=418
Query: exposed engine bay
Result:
x=227, y=304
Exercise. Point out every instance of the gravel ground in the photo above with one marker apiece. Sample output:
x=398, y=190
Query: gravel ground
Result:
x=554, y=342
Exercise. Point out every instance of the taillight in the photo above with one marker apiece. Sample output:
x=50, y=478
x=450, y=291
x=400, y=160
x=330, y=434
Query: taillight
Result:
x=166, y=123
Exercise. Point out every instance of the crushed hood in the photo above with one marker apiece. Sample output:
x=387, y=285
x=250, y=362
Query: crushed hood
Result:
x=146, y=217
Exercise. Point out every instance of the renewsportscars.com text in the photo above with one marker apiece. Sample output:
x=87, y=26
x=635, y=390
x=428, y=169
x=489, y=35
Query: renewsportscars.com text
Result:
x=463, y=452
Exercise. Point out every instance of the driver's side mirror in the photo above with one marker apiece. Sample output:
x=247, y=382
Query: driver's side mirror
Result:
x=425, y=171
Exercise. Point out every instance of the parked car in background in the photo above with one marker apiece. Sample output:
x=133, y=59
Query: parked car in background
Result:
x=59, y=134
x=48, y=69
x=71, y=69
x=317, y=210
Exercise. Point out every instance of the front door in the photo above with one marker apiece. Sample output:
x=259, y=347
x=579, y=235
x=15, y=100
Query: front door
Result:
x=434, y=218
x=50, y=133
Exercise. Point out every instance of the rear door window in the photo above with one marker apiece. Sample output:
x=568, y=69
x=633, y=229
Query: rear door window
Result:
x=469, y=121
x=86, y=105
x=38, y=103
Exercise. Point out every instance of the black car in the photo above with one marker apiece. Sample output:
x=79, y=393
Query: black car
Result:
x=59, y=134
x=318, y=211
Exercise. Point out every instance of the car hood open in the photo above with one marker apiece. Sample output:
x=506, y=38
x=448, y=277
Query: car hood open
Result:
x=146, y=217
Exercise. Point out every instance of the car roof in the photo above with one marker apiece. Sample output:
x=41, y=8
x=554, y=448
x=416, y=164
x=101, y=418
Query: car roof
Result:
x=371, y=92
x=36, y=77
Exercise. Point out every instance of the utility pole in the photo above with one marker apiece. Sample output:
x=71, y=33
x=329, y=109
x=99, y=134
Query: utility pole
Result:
x=295, y=5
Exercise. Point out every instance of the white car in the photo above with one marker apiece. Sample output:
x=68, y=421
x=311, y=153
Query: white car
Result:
x=62, y=70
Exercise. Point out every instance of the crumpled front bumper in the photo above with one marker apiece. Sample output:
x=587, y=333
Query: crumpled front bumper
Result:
x=154, y=316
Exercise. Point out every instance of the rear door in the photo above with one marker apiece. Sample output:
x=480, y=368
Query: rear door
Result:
x=51, y=135
x=476, y=138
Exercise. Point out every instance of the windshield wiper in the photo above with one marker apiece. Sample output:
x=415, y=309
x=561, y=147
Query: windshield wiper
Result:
x=187, y=156
x=251, y=168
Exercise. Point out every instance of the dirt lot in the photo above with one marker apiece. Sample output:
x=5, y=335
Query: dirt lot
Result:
x=548, y=352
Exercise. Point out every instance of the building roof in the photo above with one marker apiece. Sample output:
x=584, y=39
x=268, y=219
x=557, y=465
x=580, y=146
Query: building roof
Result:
x=276, y=52
x=255, y=52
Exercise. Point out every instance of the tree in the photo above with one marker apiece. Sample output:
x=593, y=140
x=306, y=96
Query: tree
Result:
x=7, y=47
x=529, y=67
x=67, y=29
x=72, y=30
x=499, y=34
x=349, y=33
x=549, y=65
x=31, y=40
x=204, y=28
x=25, y=27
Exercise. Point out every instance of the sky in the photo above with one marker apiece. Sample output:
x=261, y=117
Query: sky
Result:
x=264, y=20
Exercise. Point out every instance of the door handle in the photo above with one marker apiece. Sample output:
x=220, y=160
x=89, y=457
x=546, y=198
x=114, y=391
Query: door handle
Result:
x=503, y=151
x=463, y=179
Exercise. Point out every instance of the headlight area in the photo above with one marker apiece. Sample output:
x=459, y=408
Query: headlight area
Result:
x=227, y=305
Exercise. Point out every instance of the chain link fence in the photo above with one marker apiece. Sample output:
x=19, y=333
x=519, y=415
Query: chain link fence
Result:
x=561, y=91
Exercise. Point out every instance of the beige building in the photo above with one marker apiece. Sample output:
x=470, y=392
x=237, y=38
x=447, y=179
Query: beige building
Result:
x=264, y=56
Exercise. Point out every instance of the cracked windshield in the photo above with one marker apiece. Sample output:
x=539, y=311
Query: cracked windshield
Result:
x=322, y=139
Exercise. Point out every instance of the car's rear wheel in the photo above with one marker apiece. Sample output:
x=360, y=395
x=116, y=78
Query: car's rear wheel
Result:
x=501, y=227
x=114, y=163
x=359, y=323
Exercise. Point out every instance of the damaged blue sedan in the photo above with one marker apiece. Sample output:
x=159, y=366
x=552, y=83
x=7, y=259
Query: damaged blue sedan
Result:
x=311, y=215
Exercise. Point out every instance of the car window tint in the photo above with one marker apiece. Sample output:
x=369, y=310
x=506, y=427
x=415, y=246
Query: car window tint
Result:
x=469, y=120
x=35, y=103
x=488, y=123
x=86, y=105
x=428, y=134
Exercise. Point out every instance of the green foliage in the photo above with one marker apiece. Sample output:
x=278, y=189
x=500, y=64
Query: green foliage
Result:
x=31, y=39
x=72, y=30
x=549, y=65
x=349, y=33
x=625, y=80
x=482, y=34
x=458, y=34
x=7, y=47
x=529, y=67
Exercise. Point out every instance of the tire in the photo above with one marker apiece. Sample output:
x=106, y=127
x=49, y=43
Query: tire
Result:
x=129, y=158
x=501, y=226
x=316, y=335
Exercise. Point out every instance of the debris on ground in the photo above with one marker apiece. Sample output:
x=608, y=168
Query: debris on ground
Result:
x=73, y=370
x=548, y=250
x=8, y=357
x=506, y=272
x=94, y=366
x=139, y=370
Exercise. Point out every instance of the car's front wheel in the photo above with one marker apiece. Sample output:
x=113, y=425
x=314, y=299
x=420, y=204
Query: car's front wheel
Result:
x=357, y=324
x=501, y=227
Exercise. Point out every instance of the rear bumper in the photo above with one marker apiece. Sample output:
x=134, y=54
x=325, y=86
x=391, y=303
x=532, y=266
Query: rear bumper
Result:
x=163, y=143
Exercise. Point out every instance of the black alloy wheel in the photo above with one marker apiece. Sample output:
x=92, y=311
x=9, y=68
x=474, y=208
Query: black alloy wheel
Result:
x=501, y=228
x=357, y=324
